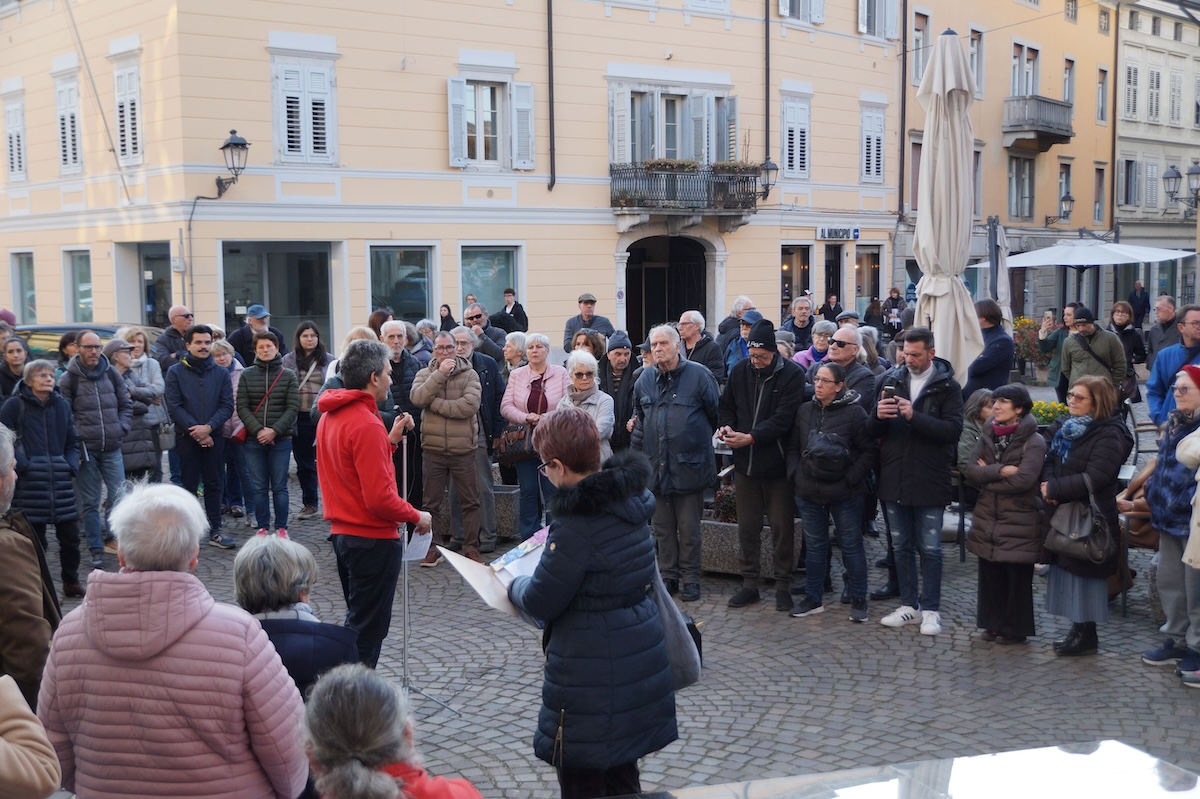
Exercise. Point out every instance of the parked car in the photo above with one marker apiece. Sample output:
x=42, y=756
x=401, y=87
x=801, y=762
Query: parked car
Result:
x=43, y=339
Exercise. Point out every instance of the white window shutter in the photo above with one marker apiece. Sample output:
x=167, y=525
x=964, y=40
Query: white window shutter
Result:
x=318, y=89
x=523, y=132
x=817, y=11
x=14, y=128
x=795, y=138
x=862, y=15
x=621, y=134
x=891, y=19
x=1137, y=183
x=729, y=125
x=1151, y=185
x=67, y=101
x=1176, y=109
x=872, y=136
x=697, y=108
x=292, y=100
x=1131, y=86
x=457, y=94
x=1121, y=200
x=785, y=8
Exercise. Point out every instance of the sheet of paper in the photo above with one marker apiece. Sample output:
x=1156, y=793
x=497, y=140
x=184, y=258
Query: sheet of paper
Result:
x=418, y=546
x=481, y=577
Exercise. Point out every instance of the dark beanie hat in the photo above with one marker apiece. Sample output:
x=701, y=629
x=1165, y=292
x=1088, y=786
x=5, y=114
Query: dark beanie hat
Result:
x=1083, y=314
x=619, y=340
x=762, y=335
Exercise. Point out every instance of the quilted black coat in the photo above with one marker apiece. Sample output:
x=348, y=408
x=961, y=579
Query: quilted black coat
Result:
x=47, y=455
x=607, y=697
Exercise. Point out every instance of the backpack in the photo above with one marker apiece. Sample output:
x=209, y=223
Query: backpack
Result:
x=827, y=455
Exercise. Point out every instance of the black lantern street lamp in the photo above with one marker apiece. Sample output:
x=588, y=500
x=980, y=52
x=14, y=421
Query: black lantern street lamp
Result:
x=1172, y=178
x=768, y=173
x=236, y=150
x=1066, y=204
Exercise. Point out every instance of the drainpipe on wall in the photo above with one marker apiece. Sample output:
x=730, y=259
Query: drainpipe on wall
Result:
x=903, y=137
x=766, y=80
x=550, y=84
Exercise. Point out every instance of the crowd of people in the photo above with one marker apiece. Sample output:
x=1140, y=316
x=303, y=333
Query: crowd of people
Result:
x=819, y=419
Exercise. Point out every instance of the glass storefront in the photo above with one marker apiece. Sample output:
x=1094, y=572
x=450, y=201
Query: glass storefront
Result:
x=290, y=278
x=400, y=282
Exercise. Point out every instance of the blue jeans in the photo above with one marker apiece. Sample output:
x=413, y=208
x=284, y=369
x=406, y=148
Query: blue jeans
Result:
x=917, y=528
x=535, y=489
x=267, y=468
x=847, y=526
x=368, y=569
x=99, y=467
x=235, y=473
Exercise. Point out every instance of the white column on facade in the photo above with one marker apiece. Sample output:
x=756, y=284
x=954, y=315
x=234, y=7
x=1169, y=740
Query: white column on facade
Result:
x=714, y=268
x=816, y=275
x=621, y=261
x=339, y=290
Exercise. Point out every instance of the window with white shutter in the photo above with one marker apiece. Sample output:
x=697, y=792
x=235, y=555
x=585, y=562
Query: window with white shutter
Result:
x=1153, y=94
x=14, y=132
x=1130, y=109
x=523, y=132
x=70, y=156
x=673, y=122
x=810, y=11
x=879, y=18
x=872, y=145
x=796, y=137
x=306, y=112
x=1175, y=109
x=491, y=123
x=127, y=92
x=726, y=140
x=708, y=5
x=1151, y=185
x=1196, y=104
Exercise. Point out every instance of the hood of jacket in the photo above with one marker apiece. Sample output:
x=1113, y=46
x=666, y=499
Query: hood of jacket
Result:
x=199, y=364
x=268, y=365
x=848, y=397
x=619, y=488
x=136, y=615
x=95, y=373
x=334, y=399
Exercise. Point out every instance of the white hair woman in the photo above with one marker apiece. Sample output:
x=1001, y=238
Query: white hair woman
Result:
x=360, y=741
x=272, y=579
x=169, y=658
x=585, y=393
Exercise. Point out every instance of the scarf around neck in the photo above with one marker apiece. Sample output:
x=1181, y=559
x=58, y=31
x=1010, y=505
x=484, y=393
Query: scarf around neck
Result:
x=578, y=397
x=1068, y=434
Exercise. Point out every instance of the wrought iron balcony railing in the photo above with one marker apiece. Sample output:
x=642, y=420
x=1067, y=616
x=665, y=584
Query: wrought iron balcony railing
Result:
x=634, y=186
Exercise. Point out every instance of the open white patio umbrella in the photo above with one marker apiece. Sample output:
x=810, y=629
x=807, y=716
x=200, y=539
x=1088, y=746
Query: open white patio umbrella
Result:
x=1093, y=252
x=945, y=193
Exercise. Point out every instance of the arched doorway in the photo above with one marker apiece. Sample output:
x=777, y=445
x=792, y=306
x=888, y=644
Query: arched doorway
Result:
x=664, y=276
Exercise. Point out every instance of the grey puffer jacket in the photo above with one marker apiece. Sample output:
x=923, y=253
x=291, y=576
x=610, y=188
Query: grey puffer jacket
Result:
x=139, y=448
x=100, y=401
x=1008, y=523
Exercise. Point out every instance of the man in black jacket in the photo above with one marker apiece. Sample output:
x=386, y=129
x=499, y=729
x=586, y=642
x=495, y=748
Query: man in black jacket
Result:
x=919, y=418
x=801, y=322
x=491, y=424
x=616, y=380
x=489, y=339
x=755, y=419
x=698, y=345
x=258, y=320
x=404, y=368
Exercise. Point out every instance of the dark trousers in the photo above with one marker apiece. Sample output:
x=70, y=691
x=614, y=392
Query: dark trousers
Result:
x=304, y=452
x=67, y=534
x=368, y=569
x=196, y=464
x=439, y=469
x=1005, y=602
x=1061, y=388
x=585, y=783
x=773, y=496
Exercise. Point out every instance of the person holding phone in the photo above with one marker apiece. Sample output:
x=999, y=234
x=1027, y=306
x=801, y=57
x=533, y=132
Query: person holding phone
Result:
x=1051, y=338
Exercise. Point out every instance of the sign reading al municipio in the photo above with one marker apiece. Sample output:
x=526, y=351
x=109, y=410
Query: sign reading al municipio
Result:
x=837, y=233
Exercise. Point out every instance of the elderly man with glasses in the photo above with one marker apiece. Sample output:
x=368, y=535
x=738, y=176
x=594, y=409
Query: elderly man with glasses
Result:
x=1092, y=350
x=491, y=425
x=490, y=338
x=844, y=350
x=1170, y=361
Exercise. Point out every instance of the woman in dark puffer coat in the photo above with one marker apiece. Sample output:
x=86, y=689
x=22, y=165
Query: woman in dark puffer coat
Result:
x=47, y=452
x=139, y=447
x=1093, y=441
x=607, y=697
x=1006, y=529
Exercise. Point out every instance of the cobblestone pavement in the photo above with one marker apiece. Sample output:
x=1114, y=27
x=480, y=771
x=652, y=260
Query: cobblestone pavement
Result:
x=779, y=696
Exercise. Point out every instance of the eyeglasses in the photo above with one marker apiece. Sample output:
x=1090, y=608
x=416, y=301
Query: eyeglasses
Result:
x=184, y=316
x=581, y=375
x=825, y=381
x=1193, y=323
x=443, y=348
x=542, y=467
x=1075, y=396
x=820, y=335
x=475, y=318
x=1180, y=390
x=840, y=344
x=761, y=357
x=89, y=347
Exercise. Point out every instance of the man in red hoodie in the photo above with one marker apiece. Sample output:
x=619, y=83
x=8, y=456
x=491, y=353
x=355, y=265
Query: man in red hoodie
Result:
x=358, y=481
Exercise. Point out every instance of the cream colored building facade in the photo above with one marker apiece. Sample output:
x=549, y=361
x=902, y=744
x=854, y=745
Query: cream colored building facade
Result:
x=1044, y=128
x=406, y=155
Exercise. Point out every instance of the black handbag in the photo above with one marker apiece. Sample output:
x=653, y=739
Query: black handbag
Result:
x=514, y=444
x=1079, y=530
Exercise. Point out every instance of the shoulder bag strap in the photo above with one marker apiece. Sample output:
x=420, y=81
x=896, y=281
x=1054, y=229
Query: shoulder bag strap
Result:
x=264, y=399
x=1083, y=342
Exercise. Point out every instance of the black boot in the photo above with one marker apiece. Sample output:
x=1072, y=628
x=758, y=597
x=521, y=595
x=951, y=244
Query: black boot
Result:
x=1058, y=642
x=1081, y=641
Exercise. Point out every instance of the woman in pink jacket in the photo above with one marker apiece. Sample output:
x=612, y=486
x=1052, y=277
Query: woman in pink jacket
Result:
x=152, y=688
x=532, y=391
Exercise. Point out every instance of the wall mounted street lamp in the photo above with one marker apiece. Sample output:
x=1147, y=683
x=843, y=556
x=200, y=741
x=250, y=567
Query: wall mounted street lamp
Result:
x=1172, y=178
x=768, y=173
x=1066, y=204
x=236, y=150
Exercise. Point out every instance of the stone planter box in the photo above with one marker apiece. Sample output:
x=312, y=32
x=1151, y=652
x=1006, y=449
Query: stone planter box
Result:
x=720, y=552
x=508, y=500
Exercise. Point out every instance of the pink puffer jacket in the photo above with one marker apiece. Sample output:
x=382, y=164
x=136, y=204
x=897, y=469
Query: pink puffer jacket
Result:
x=152, y=688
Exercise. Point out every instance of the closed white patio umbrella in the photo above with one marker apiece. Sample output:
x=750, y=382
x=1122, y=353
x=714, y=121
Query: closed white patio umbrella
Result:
x=945, y=192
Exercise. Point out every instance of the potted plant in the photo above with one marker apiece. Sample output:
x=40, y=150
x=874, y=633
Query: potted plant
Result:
x=671, y=165
x=1025, y=337
x=1047, y=413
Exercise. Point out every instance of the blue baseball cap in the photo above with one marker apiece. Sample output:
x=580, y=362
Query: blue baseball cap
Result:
x=258, y=312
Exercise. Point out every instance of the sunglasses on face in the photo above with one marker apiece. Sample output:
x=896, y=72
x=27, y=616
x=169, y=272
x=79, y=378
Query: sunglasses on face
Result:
x=840, y=344
x=582, y=375
x=475, y=318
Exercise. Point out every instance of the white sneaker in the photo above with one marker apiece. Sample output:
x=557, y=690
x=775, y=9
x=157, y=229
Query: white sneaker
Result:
x=905, y=614
x=931, y=622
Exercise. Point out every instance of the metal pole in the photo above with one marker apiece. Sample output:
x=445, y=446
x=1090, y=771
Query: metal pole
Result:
x=993, y=223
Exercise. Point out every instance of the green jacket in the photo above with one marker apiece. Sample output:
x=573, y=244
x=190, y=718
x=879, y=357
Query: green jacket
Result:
x=280, y=410
x=1078, y=362
x=1054, y=343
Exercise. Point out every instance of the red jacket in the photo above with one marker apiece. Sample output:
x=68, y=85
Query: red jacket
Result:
x=354, y=467
x=417, y=784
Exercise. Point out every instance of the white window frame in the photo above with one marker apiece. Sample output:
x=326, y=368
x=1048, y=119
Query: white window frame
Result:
x=1069, y=83
x=433, y=290
x=1025, y=76
x=1102, y=94
x=1098, y=202
x=976, y=60
x=1175, y=100
x=1021, y=197
x=1064, y=182
x=14, y=135
x=19, y=289
x=1104, y=23
x=518, y=246
x=1071, y=10
x=922, y=43
x=1153, y=94
x=1128, y=183
x=977, y=171
x=795, y=155
x=1151, y=184
x=1129, y=108
x=304, y=92
x=810, y=12
x=872, y=159
x=887, y=19
x=70, y=137
x=71, y=287
x=708, y=119
x=515, y=121
x=1196, y=101
x=128, y=112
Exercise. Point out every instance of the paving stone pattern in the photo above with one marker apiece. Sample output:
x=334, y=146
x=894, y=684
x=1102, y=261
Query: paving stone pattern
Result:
x=779, y=696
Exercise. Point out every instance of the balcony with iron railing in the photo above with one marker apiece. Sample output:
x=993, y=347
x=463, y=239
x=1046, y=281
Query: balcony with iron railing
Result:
x=684, y=188
x=1036, y=122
